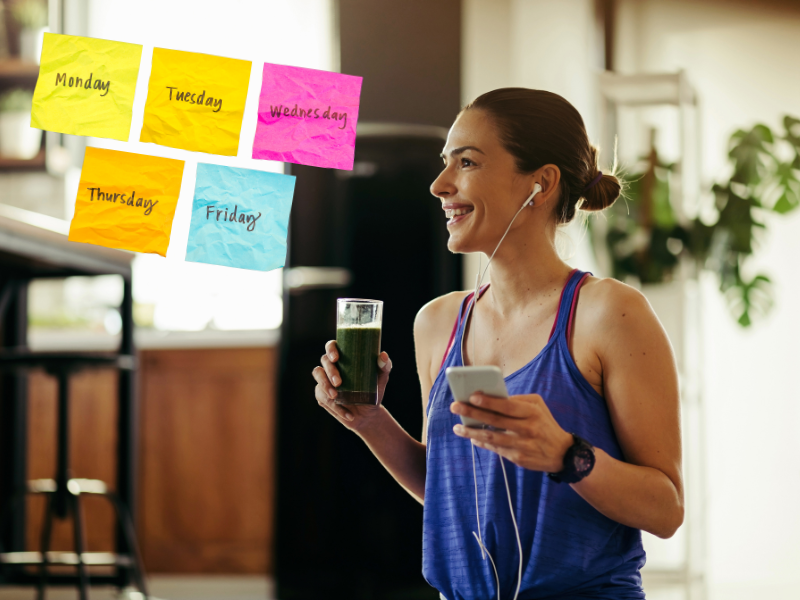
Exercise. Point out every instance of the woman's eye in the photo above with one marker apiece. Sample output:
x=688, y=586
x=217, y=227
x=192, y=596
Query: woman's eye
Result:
x=465, y=162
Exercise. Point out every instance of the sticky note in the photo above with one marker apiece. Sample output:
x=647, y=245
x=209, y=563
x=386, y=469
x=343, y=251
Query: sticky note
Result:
x=240, y=218
x=195, y=101
x=126, y=200
x=307, y=117
x=86, y=86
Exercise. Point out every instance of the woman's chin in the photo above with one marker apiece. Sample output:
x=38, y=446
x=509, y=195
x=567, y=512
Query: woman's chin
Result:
x=457, y=245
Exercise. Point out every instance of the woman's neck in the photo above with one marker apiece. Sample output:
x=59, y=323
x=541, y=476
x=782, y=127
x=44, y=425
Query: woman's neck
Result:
x=523, y=270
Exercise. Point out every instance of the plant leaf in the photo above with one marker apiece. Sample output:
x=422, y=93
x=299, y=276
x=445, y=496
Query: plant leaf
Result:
x=787, y=181
x=750, y=152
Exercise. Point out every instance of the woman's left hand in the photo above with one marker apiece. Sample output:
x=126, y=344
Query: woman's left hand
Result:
x=533, y=439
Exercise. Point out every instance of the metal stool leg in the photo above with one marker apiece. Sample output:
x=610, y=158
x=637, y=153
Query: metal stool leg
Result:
x=61, y=499
x=130, y=540
x=5, y=517
x=47, y=528
x=77, y=515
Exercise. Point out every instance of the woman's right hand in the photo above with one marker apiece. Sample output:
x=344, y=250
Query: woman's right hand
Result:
x=355, y=417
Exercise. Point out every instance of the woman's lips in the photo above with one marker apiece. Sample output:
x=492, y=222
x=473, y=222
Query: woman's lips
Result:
x=456, y=212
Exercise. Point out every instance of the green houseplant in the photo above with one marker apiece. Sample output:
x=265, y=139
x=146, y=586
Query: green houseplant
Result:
x=646, y=241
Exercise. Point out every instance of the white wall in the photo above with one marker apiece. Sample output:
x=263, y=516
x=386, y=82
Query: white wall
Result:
x=742, y=59
x=538, y=44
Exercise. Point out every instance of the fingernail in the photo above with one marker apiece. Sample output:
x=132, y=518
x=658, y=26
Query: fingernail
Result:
x=454, y=407
x=330, y=356
x=475, y=399
x=335, y=380
x=458, y=429
x=348, y=416
x=332, y=394
x=381, y=363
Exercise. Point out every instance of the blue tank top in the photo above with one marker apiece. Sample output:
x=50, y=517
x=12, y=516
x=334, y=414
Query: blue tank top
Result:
x=570, y=550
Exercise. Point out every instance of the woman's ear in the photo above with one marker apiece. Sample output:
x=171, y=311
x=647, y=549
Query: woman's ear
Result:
x=549, y=177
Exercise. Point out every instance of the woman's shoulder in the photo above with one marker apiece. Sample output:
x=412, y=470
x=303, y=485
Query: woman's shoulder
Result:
x=439, y=314
x=607, y=303
x=432, y=329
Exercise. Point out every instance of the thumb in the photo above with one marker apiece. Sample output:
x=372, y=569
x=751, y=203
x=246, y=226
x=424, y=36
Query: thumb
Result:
x=384, y=362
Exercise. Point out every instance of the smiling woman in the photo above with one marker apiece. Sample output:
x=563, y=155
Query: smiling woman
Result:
x=585, y=452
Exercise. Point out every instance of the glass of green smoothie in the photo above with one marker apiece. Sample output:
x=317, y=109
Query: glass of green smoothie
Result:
x=358, y=337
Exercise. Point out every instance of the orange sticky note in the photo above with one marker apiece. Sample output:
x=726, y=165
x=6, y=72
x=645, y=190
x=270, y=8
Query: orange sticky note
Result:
x=126, y=200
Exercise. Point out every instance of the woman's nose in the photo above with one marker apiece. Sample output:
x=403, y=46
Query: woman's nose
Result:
x=442, y=186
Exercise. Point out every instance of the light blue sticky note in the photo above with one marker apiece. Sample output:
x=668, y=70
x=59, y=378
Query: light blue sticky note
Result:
x=240, y=217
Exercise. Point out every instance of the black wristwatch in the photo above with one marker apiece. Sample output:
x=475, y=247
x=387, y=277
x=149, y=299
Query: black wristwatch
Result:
x=578, y=462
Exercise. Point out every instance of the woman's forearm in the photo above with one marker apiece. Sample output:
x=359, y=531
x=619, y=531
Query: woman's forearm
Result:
x=401, y=454
x=640, y=497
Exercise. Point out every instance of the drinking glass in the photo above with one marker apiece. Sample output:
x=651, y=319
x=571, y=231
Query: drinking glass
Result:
x=358, y=337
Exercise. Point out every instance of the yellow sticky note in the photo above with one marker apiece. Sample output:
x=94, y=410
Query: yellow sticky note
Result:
x=126, y=200
x=196, y=101
x=86, y=86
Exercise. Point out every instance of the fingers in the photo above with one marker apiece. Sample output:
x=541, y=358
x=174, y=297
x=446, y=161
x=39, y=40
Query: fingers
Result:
x=519, y=407
x=337, y=410
x=332, y=350
x=485, y=438
x=321, y=377
x=490, y=418
x=330, y=370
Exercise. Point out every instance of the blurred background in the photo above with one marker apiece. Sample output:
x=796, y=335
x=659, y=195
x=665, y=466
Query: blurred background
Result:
x=241, y=487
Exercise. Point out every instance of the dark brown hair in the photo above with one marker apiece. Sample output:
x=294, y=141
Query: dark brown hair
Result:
x=541, y=128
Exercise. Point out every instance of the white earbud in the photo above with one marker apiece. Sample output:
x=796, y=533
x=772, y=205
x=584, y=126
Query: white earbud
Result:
x=529, y=200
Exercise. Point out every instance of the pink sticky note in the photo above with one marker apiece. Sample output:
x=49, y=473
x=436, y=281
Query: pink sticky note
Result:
x=307, y=117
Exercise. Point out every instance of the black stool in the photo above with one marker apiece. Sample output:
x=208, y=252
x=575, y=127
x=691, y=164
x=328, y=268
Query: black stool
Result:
x=64, y=492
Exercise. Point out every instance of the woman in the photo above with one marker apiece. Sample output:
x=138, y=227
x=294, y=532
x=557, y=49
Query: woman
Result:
x=592, y=382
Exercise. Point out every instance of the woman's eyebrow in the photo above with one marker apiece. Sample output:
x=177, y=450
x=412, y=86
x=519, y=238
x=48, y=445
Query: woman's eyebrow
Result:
x=461, y=150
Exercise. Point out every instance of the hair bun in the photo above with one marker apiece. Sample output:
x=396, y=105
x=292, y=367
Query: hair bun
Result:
x=602, y=194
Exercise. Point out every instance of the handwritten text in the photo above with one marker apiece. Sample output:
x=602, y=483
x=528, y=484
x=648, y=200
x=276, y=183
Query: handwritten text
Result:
x=124, y=199
x=284, y=111
x=243, y=218
x=199, y=99
x=85, y=84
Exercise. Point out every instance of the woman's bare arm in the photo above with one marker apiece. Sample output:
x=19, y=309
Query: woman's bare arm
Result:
x=640, y=383
x=398, y=452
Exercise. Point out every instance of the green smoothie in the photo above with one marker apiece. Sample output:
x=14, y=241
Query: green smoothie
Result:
x=359, y=347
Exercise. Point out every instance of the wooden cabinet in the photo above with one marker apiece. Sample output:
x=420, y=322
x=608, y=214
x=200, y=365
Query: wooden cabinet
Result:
x=206, y=457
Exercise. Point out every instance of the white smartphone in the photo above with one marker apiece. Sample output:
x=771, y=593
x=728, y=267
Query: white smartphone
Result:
x=465, y=381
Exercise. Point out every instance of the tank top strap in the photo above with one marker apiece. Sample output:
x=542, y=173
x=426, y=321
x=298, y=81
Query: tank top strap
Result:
x=565, y=303
x=457, y=324
x=571, y=316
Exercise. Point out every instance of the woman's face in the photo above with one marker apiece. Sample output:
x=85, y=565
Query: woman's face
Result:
x=480, y=187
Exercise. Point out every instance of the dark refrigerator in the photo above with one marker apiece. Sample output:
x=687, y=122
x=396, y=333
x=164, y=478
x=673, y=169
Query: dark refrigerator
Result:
x=344, y=528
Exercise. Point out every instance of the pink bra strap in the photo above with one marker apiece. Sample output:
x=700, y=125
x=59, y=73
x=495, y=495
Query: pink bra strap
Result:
x=464, y=303
x=572, y=306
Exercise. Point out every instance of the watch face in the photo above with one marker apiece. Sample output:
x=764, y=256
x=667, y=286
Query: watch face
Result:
x=578, y=462
x=584, y=460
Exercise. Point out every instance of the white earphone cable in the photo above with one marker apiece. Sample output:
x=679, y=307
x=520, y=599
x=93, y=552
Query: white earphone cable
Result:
x=478, y=279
